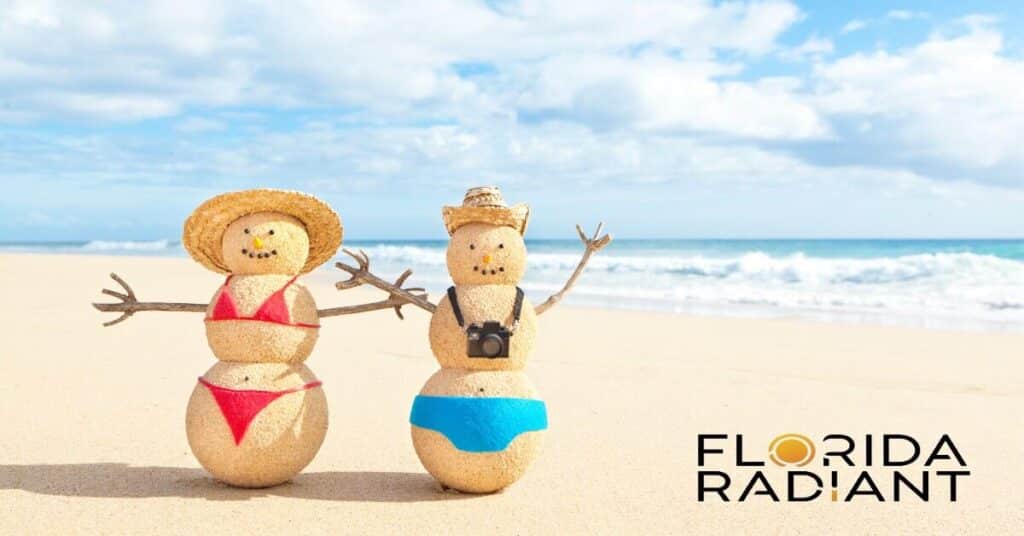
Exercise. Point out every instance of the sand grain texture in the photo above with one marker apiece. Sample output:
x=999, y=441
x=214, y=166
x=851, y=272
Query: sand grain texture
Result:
x=93, y=437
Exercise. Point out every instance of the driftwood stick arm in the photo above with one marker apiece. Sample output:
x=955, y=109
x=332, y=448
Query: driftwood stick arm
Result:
x=593, y=245
x=151, y=306
x=361, y=308
x=130, y=305
x=362, y=275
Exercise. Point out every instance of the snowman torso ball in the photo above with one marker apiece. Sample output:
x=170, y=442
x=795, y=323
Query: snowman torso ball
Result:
x=485, y=262
x=261, y=314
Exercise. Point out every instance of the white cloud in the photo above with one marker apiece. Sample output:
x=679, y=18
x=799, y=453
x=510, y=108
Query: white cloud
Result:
x=158, y=58
x=904, y=14
x=419, y=157
x=853, y=26
x=33, y=14
x=814, y=47
x=108, y=106
x=654, y=92
x=949, y=99
x=586, y=90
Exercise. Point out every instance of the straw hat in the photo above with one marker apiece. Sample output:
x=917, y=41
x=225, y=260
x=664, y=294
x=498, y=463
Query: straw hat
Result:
x=204, y=229
x=484, y=204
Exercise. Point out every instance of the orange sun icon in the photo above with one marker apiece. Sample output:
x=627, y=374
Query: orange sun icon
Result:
x=791, y=449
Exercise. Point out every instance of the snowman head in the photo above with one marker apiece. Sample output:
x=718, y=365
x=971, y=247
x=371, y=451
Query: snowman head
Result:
x=486, y=254
x=297, y=232
x=265, y=243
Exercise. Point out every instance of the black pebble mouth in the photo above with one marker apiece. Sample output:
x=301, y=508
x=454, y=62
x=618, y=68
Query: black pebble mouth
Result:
x=272, y=253
x=485, y=271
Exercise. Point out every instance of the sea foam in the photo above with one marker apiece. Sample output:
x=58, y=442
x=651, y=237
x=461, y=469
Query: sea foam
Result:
x=933, y=289
x=129, y=245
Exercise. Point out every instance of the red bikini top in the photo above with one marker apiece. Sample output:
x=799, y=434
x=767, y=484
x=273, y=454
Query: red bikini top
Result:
x=274, y=309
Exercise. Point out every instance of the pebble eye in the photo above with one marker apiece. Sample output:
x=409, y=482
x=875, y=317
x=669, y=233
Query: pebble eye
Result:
x=270, y=231
x=501, y=246
x=246, y=231
x=471, y=246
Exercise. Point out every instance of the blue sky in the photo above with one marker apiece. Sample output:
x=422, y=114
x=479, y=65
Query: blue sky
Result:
x=664, y=119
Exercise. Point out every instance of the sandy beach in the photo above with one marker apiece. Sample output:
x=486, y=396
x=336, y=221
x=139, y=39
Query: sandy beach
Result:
x=93, y=437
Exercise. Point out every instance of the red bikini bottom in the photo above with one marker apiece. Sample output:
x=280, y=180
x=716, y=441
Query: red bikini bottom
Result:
x=240, y=406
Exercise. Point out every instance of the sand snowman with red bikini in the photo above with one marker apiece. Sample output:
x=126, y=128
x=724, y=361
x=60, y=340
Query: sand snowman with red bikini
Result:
x=259, y=415
x=478, y=422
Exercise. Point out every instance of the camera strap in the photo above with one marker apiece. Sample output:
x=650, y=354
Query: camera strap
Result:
x=517, y=308
x=454, y=300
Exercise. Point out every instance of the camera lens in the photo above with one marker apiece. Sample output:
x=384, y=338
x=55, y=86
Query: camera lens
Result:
x=491, y=345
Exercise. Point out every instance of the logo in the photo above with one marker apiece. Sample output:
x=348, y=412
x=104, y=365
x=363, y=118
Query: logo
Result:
x=883, y=468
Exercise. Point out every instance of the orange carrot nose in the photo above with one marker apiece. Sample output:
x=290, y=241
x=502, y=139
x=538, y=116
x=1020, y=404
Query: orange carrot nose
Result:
x=487, y=259
x=257, y=243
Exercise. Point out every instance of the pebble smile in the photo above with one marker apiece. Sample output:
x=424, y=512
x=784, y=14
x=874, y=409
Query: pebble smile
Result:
x=259, y=255
x=484, y=271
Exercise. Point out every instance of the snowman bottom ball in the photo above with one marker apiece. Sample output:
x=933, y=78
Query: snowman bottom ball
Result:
x=477, y=431
x=256, y=425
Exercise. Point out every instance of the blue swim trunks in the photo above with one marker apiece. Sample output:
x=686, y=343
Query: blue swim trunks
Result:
x=478, y=424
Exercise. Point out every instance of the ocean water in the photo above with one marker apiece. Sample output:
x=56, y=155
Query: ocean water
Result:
x=949, y=284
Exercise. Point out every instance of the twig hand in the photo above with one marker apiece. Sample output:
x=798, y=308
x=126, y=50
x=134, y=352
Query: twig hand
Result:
x=127, y=305
x=594, y=244
x=361, y=275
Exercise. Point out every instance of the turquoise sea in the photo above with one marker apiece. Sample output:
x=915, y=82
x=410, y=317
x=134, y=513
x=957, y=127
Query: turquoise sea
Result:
x=959, y=284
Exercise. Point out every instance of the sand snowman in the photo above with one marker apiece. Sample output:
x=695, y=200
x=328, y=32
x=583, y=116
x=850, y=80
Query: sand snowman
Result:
x=259, y=415
x=478, y=422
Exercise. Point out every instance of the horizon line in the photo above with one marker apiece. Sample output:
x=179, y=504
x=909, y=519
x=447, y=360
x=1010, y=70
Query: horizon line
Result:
x=617, y=238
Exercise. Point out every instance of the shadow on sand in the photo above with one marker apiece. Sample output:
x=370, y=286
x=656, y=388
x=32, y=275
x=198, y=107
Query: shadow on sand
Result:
x=118, y=480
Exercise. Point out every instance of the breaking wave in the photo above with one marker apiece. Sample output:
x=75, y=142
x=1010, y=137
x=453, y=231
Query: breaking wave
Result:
x=142, y=245
x=755, y=266
x=944, y=289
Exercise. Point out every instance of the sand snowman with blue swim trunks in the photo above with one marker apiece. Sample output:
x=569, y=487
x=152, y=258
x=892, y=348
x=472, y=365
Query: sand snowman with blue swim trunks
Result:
x=478, y=423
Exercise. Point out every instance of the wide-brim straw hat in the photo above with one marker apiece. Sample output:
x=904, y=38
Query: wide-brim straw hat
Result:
x=484, y=204
x=204, y=229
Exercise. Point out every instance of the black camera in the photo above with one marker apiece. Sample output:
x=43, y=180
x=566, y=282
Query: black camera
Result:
x=489, y=340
